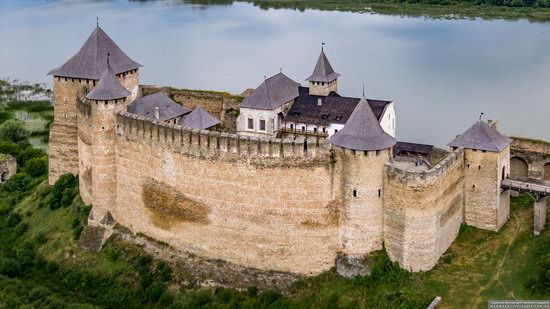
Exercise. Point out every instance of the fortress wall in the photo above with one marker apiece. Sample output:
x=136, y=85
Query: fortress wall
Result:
x=537, y=155
x=63, y=147
x=219, y=104
x=256, y=203
x=84, y=141
x=423, y=211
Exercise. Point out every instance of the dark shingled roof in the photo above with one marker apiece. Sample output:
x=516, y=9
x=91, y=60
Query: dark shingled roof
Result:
x=481, y=136
x=90, y=61
x=168, y=109
x=423, y=149
x=108, y=88
x=362, y=131
x=272, y=93
x=199, y=119
x=323, y=71
x=334, y=108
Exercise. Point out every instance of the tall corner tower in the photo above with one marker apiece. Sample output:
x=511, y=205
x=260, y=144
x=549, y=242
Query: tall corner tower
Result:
x=323, y=80
x=487, y=163
x=107, y=99
x=72, y=81
x=362, y=148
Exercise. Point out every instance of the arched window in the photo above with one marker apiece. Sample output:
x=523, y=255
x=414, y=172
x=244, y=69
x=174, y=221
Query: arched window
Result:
x=291, y=126
x=546, y=171
x=262, y=124
x=354, y=193
x=250, y=124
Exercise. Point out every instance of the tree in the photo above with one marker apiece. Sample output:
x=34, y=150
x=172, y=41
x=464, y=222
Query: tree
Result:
x=14, y=131
x=37, y=167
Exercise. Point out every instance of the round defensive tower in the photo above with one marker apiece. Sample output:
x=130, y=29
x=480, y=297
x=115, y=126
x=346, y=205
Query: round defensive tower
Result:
x=362, y=149
x=106, y=100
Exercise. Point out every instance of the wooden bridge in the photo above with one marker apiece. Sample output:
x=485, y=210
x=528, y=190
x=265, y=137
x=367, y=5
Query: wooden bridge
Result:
x=539, y=191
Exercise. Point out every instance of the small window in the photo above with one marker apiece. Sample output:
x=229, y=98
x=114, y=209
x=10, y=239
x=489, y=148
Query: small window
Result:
x=303, y=129
x=324, y=117
x=262, y=124
x=338, y=118
x=324, y=130
x=292, y=126
x=250, y=124
x=335, y=131
x=479, y=167
x=468, y=165
x=314, y=130
x=379, y=192
x=354, y=193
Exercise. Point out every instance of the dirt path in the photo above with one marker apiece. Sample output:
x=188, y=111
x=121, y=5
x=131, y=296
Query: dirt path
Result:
x=496, y=276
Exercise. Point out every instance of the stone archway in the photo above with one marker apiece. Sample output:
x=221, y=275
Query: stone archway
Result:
x=4, y=176
x=518, y=168
x=546, y=172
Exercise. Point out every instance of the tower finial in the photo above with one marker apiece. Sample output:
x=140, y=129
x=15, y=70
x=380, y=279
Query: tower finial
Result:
x=363, y=90
x=97, y=21
x=280, y=70
x=108, y=58
x=481, y=115
x=322, y=45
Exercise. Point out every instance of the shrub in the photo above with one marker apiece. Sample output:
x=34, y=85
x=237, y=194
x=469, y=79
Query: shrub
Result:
x=18, y=182
x=37, y=167
x=10, y=148
x=9, y=267
x=14, y=131
x=5, y=209
x=29, y=153
x=64, y=191
x=21, y=228
x=14, y=219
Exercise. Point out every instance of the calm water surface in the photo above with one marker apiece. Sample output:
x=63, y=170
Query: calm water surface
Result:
x=441, y=74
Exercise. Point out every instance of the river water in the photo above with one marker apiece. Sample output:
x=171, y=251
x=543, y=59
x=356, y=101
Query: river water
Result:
x=441, y=73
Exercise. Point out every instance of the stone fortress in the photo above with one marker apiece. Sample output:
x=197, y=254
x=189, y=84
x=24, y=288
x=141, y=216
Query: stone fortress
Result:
x=286, y=180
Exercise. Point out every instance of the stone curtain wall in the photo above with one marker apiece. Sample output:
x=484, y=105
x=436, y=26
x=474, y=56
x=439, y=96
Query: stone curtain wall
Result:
x=221, y=105
x=265, y=204
x=537, y=155
x=423, y=211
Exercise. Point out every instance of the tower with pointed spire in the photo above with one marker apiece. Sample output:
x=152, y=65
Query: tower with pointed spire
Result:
x=76, y=77
x=106, y=99
x=363, y=148
x=323, y=80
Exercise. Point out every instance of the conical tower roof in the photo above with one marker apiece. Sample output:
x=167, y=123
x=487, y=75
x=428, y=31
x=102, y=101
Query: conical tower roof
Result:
x=481, y=136
x=363, y=131
x=90, y=60
x=109, y=87
x=323, y=71
x=199, y=119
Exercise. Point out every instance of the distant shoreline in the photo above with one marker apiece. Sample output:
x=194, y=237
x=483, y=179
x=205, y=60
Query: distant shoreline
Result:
x=446, y=10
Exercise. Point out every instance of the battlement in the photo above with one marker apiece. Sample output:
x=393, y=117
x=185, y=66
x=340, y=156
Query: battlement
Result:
x=410, y=176
x=219, y=145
